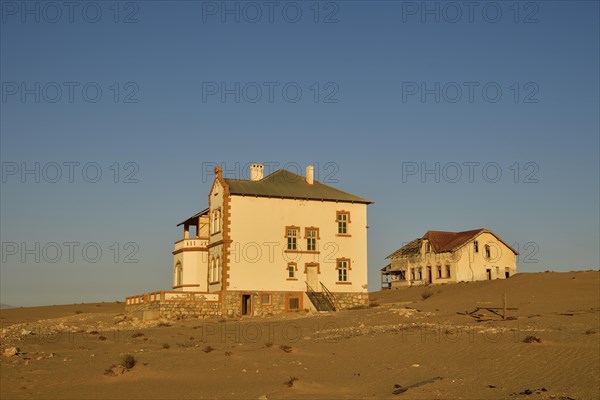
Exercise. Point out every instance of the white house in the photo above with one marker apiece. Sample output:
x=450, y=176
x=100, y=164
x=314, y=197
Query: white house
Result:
x=273, y=244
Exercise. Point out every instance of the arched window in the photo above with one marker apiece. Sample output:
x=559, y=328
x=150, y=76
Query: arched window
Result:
x=178, y=274
x=211, y=272
x=218, y=270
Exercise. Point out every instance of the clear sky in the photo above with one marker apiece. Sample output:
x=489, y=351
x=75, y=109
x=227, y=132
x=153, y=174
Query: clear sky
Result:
x=449, y=115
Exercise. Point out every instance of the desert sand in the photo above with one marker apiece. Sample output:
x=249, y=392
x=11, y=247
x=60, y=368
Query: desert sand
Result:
x=548, y=347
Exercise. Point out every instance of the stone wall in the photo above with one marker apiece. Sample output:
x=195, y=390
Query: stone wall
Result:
x=261, y=304
x=351, y=300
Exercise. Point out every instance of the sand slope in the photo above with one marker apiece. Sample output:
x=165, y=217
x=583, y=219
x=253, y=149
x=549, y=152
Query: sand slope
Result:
x=349, y=354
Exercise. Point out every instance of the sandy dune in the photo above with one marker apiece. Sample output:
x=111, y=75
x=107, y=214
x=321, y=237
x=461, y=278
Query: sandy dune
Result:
x=406, y=337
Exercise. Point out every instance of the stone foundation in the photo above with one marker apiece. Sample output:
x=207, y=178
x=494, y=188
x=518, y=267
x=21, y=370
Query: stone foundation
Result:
x=234, y=304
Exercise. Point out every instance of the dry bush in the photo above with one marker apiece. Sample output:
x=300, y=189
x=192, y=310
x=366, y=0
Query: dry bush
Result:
x=290, y=382
x=286, y=348
x=208, y=349
x=532, y=339
x=128, y=361
x=426, y=294
x=166, y=346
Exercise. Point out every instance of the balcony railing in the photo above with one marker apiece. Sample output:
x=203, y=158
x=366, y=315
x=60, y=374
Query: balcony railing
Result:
x=171, y=296
x=191, y=243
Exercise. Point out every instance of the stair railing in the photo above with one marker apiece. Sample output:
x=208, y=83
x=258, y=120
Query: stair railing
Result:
x=330, y=297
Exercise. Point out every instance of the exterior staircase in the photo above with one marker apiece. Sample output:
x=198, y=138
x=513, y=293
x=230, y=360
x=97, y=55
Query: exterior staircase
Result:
x=323, y=301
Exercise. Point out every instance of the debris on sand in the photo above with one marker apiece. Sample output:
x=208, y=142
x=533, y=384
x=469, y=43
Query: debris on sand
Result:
x=532, y=339
x=398, y=389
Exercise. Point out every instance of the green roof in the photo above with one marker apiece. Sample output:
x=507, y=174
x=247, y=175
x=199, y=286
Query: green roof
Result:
x=285, y=184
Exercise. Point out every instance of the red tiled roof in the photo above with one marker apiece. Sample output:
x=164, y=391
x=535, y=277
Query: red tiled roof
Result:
x=448, y=241
x=443, y=241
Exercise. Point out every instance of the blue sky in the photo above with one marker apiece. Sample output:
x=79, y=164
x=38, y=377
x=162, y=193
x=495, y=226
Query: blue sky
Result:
x=151, y=94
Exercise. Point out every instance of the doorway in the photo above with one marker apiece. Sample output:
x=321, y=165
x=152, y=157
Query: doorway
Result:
x=312, y=276
x=246, y=304
x=429, y=275
x=489, y=274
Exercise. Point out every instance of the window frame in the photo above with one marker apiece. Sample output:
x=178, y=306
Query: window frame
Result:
x=316, y=237
x=292, y=266
x=343, y=273
x=293, y=238
x=340, y=221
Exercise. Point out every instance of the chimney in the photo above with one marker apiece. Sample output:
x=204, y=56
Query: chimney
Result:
x=310, y=174
x=256, y=172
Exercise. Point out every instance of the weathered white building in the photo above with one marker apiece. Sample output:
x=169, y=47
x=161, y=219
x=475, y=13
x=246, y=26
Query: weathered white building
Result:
x=444, y=257
x=272, y=244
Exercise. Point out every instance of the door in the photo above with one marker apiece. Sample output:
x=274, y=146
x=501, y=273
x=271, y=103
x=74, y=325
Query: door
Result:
x=489, y=274
x=312, y=277
x=429, y=275
x=246, y=304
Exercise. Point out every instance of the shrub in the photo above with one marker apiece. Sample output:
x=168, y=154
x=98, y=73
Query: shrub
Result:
x=102, y=338
x=137, y=335
x=286, y=348
x=426, y=294
x=208, y=349
x=268, y=344
x=128, y=361
x=78, y=312
x=166, y=346
x=290, y=382
x=532, y=339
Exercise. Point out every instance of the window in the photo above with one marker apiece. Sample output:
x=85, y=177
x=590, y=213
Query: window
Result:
x=312, y=234
x=439, y=271
x=342, y=218
x=476, y=246
x=343, y=265
x=215, y=266
x=420, y=274
x=178, y=274
x=216, y=221
x=293, y=303
x=412, y=274
x=447, y=271
x=427, y=247
x=265, y=299
x=291, y=233
x=291, y=270
x=487, y=251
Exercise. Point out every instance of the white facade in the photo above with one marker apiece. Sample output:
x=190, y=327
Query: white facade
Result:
x=245, y=241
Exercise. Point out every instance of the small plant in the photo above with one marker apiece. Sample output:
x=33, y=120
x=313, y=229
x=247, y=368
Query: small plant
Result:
x=268, y=344
x=590, y=332
x=426, y=294
x=109, y=371
x=128, y=361
x=532, y=339
x=138, y=335
x=286, y=348
x=102, y=338
x=290, y=382
x=78, y=312
x=228, y=353
x=208, y=349
x=166, y=346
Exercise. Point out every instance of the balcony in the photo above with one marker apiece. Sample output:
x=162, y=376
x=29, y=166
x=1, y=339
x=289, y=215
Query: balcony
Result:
x=195, y=244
